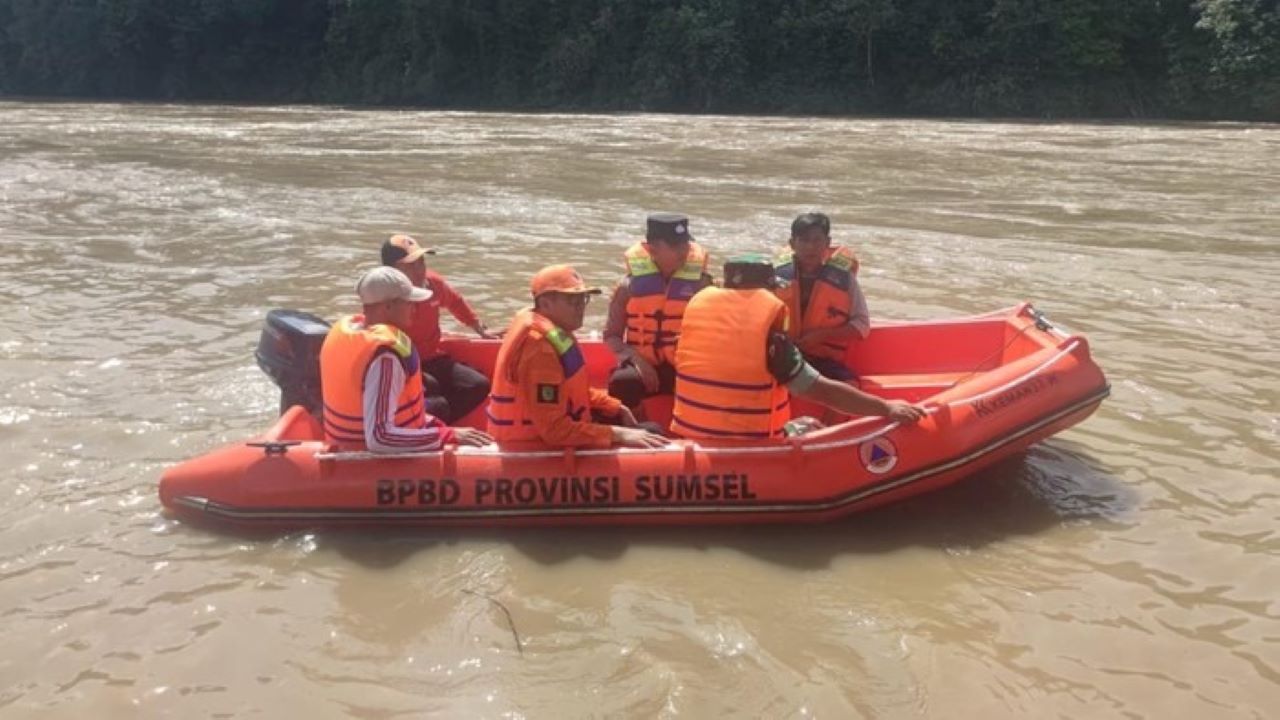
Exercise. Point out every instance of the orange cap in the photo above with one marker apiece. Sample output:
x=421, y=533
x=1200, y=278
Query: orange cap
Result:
x=402, y=248
x=562, y=279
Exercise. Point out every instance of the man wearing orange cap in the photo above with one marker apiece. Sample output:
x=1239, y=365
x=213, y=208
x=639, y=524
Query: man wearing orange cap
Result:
x=370, y=379
x=540, y=386
x=452, y=388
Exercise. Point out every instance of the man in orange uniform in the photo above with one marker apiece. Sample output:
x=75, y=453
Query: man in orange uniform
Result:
x=540, y=386
x=370, y=379
x=828, y=310
x=452, y=388
x=736, y=367
x=645, y=312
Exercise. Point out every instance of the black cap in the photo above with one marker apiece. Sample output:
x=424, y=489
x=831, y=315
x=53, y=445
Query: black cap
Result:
x=749, y=272
x=668, y=227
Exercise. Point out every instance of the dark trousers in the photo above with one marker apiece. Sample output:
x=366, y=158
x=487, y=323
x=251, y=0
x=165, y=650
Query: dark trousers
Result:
x=452, y=389
x=626, y=385
x=652, y=427
x=832, y=369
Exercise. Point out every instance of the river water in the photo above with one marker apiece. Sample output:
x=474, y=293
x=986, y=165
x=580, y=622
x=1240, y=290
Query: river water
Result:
x=1126, y=568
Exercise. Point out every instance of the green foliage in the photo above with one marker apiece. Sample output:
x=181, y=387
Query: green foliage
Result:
x=1085, y=58
x=1244, y=52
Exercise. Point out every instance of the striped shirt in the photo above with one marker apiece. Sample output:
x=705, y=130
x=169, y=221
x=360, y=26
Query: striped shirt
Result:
x=383, y=383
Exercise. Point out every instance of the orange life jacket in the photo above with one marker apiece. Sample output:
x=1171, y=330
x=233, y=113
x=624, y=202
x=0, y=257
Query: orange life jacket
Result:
x=723, y=386
x=829, y=303
x=656, y=307
x=508, y=416
x=344, y=358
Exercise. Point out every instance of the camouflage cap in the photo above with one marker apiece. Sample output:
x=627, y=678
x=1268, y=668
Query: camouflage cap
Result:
x=749, y=271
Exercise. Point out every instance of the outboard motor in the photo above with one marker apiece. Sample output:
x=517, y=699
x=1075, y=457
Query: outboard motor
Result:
x=289, y=352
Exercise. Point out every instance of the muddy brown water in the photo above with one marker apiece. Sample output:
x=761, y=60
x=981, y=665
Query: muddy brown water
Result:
x=1126, y=568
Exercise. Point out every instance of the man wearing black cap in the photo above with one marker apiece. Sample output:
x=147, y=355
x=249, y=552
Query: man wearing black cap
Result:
x=452, y=388
x=646, y=310
x=738, y=367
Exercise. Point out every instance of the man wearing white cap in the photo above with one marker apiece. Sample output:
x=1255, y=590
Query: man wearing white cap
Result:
x=370, y=375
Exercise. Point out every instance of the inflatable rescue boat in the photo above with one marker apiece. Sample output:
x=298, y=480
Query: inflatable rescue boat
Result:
x=993, y=385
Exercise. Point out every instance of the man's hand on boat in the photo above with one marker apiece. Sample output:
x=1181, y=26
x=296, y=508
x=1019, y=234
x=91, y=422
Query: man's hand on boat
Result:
x=637, y=438
x=904, y=412
x=472, y=437
x=485, y=333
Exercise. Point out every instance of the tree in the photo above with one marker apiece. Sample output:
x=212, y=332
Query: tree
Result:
x=1244, y=64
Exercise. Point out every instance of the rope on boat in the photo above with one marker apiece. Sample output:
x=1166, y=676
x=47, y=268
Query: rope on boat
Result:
x=208, y=507
x=1034, y=371
x=364, y=455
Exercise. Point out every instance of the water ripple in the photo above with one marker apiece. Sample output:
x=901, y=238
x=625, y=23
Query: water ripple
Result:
x=1125, y=568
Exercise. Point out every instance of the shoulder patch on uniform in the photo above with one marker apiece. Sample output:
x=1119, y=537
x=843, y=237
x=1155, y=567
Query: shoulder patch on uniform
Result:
x=403, y=345
x=548, y=393
x=844, y=259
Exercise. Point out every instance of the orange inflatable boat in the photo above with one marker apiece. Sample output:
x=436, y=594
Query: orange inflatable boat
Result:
x=993, y=385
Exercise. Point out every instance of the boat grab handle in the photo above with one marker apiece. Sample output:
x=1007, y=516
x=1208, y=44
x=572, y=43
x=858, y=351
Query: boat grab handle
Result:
x=274, y=447
x=1064, y=352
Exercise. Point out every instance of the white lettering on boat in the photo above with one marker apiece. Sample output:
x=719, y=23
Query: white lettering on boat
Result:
x=1014, y=395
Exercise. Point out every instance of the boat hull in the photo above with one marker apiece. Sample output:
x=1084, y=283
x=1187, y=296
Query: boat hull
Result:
x=289, y=479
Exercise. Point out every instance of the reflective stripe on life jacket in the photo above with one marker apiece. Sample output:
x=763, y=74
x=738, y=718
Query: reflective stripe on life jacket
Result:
x=344, y=359
x=508, y=416
x=723, y=386
x=656, y=306
x=829, y=303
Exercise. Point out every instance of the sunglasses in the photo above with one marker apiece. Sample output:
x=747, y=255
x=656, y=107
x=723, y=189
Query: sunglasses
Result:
x=576, y=299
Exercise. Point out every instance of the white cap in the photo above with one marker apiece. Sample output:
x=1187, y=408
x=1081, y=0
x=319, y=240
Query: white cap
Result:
x=384, y=284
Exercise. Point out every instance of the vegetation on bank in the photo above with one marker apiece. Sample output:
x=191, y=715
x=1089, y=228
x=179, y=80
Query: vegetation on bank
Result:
x=1077, y=58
